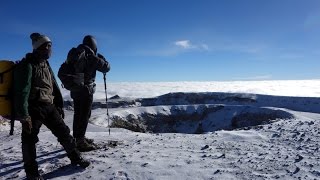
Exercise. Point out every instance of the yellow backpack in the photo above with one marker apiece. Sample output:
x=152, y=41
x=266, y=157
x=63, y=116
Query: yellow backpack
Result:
x=6, y=90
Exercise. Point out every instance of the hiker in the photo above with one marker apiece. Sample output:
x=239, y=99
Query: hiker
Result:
x=38, y=101
x=82, y=95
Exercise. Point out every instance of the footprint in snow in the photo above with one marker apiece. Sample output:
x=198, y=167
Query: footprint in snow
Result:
x=298, y=158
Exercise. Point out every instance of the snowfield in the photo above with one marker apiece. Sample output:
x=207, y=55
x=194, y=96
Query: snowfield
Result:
x=187, y=130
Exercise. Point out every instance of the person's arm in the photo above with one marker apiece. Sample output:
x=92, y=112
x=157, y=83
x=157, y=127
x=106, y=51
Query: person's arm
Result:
x=102, y=64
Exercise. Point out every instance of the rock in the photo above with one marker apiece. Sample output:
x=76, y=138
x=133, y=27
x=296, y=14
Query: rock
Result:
x=115, y=97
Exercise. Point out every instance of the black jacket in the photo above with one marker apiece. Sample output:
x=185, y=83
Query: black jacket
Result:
x=23, y=85
x=89, y=65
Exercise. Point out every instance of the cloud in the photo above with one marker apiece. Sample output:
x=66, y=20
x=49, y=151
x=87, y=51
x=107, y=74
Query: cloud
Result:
x=261, y=77
x=179, y=47
x=221, y=46
x=186, y=44
x=239, y=47
x=204, y=46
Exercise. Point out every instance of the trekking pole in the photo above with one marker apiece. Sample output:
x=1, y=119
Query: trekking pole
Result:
x=105, y=90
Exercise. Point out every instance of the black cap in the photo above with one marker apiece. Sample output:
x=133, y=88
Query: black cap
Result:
x=91, y=42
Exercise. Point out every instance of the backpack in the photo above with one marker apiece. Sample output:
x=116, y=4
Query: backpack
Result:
x=7, y=90
x=67, y=73
x=6, y=84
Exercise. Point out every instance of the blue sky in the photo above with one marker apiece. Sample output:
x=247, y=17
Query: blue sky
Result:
x=175, y=40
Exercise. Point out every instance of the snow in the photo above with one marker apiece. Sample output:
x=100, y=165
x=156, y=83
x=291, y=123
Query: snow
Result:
x=188, y=130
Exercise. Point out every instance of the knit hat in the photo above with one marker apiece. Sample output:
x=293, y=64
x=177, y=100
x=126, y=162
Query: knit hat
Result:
x=91, y=42
x=38, y=40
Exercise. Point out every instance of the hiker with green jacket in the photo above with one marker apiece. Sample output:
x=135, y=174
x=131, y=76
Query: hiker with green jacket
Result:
x=38, y=101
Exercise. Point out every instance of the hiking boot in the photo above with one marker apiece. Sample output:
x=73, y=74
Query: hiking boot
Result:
x=81, y=162
x=84, y=146
x=90, y=141
x=76, y=159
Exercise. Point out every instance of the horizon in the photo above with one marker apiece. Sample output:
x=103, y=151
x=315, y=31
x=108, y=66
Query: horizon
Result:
x=173, y=41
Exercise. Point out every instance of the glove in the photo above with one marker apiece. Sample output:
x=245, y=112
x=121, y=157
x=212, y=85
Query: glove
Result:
x=61, y=112
x=101, y=56
x=26, y=124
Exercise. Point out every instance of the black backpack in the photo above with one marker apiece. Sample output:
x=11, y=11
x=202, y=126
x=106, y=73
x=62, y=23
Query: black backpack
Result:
x=66, y=73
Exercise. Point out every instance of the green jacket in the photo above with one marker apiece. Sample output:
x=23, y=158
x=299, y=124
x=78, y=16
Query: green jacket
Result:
x=23, y=83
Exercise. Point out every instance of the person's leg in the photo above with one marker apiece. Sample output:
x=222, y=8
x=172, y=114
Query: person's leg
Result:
x=55, y=123
x=82, y=112
x=29, y=145
x=57, y=126
x=77, y=114
x=87, y=106
x=82, y=103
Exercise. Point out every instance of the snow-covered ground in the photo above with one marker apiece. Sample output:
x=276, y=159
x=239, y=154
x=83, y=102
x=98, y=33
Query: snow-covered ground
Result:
x=188, y=130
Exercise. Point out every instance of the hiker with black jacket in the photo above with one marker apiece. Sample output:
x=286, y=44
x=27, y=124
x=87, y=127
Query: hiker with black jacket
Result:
x=85, y=67
x=38, y=101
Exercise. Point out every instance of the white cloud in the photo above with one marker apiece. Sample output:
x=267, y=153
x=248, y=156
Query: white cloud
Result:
x=184, y=44
x=175, y=48
x=262, y=77
x=238, y=47
x=204, y=46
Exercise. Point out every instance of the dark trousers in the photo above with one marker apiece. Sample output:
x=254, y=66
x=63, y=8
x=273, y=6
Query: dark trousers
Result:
x=82, y=102
x=48, y=115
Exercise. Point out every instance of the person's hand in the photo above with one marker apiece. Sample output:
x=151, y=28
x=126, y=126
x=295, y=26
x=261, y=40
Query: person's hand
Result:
x=61, y=112
x=26, y=124
x=101, y=56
